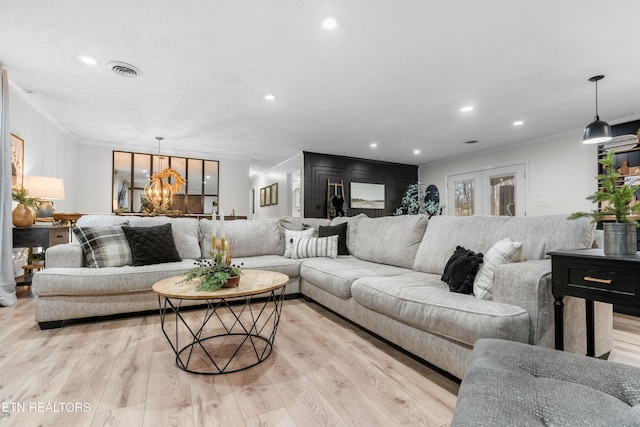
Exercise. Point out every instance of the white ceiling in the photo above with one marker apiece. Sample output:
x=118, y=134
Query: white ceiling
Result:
x=394, y=71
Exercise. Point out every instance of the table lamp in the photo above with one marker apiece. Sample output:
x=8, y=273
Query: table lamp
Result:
x=46, y=189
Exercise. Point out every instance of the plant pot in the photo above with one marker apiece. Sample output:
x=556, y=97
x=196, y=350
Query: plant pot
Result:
x=232, y=282
x=22, y=216
x=620, y=238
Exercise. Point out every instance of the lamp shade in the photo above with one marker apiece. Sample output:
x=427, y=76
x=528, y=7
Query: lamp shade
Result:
x=596, y=132
x=44, y=187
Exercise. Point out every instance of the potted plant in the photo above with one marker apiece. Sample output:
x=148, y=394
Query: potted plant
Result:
x=22, y=215
x=36, y=258
x=616, y=205
x=417, y=200
x=215, y=274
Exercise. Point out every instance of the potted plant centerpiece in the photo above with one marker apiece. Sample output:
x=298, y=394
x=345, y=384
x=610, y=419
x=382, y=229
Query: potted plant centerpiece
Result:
x=616, y=205
x=22, y=215
x=219, y=272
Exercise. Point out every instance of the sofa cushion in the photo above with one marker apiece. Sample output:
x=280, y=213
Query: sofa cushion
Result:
x=313, y=247
x=246, y=237
x=392, y=240
x=337, y=275
x=104, y=281
x=422, y=301
x=538, y=235
x=275, y=263
x=446, y=232
x=104, y=246
x=186, y=234
x=339, y=230
x=547, y=233
x=502, y=252
x=151, y=245
x=290, y=237
x=352, y=229
x=297, y=223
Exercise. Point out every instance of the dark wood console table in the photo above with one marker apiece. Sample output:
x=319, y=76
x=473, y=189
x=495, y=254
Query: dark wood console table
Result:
x=38, y=237
x=594, y=276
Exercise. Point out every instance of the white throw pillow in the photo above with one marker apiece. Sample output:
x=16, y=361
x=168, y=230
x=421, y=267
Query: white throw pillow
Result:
x=291, y=235
x=315, y=247
x=503, y=252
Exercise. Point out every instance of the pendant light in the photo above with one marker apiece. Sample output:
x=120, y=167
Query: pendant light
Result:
x=597, y=131
x=160, y=192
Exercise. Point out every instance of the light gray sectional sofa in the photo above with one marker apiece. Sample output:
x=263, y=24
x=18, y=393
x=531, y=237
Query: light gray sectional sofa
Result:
x=390, y=284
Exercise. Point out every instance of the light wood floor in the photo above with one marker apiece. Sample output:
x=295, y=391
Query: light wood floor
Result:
x=323, y=371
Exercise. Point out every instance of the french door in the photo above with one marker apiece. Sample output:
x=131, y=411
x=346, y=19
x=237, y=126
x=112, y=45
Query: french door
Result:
x=495, y=191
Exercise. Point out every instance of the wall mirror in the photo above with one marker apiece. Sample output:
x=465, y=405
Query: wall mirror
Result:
x=132, y=171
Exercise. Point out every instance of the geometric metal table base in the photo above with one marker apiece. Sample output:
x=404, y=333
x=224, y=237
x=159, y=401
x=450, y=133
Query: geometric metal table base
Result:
x=244, y=339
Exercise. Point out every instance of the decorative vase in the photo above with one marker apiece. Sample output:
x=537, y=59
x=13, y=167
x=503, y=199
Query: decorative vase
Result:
x=620, y=238
x=22, y=216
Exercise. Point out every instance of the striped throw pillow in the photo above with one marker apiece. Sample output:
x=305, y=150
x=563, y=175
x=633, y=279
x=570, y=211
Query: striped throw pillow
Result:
x=503, y=252
x=315, y=247
x=290, y=236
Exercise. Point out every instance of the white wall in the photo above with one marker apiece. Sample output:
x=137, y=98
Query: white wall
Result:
x=86, y=169
x=48, y=149
x=279, y=174
x=561, y=172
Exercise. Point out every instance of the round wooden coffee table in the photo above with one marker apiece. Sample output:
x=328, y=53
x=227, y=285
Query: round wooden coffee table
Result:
x=236, y=330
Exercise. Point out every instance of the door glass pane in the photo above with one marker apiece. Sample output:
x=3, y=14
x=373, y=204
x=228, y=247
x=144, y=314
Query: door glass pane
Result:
x=502, y=195
x=464, y=197
x=121, y=181
x=141, y=175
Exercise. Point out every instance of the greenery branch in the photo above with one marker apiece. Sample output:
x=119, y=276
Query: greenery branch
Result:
x=212, y=274
x=615, y=200
x=22, y=197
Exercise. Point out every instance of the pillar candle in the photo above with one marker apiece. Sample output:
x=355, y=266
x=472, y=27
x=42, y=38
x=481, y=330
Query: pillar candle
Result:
x=222, y=240
x=214, y=233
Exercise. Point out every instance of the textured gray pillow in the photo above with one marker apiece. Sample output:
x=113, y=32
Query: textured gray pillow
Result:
x=104, y=246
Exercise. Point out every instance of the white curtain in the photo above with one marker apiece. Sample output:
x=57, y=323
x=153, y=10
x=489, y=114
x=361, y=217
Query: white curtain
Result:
x=7, y=281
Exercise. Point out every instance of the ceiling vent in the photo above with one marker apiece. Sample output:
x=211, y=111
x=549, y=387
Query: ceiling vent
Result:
x=125, y=70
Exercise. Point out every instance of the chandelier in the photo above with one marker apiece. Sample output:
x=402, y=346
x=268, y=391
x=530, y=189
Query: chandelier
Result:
x=160, y=192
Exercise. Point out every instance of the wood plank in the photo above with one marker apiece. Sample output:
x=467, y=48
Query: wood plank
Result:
x=323, y=371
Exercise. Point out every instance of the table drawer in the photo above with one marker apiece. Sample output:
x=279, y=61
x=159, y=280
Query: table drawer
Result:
x=618, y=281
x=58, y=236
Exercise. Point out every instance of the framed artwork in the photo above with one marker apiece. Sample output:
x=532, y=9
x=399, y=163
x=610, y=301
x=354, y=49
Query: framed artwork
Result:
x=274, y=194
x=17, y=162
x=262, y=192
x=367, y=196
x=267, y=196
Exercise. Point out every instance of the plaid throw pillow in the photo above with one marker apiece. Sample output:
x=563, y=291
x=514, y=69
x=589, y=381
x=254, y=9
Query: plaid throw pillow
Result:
x=315, y=247
x=104, y=246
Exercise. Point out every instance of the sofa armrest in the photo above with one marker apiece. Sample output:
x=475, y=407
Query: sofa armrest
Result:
x=67, y=255
x=528, y=285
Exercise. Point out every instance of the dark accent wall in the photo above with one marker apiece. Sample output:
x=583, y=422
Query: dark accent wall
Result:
x=319, y=168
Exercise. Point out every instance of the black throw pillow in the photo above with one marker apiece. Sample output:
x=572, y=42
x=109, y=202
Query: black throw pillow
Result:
x=460, y=251
x=463, y=271
x=339, y=230
x=151, y=245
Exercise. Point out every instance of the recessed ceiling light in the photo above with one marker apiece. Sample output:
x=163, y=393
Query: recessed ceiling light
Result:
x=270, y=97
x=144, y=171
x=373, y=145
x=87, y=60
x=416, y=151
x=466, y=109
x=329, y=24
x=518, y=123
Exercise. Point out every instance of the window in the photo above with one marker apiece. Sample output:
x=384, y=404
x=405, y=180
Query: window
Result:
x=132, y=171
x=495, y=191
